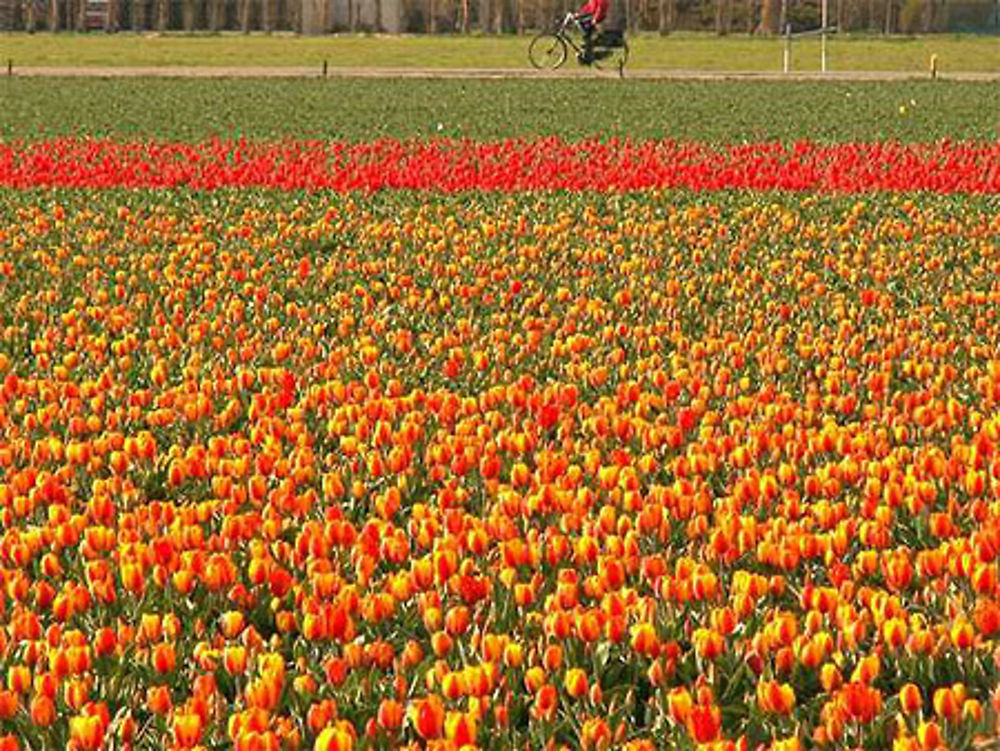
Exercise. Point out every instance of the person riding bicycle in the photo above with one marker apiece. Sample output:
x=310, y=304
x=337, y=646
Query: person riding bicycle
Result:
x=590, y=14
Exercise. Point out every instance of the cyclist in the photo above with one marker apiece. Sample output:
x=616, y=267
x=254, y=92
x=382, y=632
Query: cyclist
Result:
x=590, y=14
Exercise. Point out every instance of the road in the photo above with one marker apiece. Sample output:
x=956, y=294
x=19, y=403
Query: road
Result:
x=480, y=73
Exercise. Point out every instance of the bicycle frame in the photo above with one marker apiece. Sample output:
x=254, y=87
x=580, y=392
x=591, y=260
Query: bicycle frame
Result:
x=561, y=29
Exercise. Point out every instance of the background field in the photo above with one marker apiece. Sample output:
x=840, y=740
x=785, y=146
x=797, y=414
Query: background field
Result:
x=362, y=109
x=684, y=51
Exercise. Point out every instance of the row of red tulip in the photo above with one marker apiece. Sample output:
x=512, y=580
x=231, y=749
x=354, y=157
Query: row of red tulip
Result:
x=546, y=164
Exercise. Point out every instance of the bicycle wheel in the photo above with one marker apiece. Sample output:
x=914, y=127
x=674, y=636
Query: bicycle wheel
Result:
x=614, y=60
x=547, y=51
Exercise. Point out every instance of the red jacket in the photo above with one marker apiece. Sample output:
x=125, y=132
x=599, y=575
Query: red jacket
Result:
x=596, y=8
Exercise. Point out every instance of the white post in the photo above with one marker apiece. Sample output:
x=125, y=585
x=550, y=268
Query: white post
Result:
x=822, y=45
x=786, y=57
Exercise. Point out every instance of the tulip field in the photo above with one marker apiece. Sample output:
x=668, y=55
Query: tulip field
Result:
x=457, y=443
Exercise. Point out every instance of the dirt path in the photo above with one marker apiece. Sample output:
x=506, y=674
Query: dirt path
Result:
x=479, y=73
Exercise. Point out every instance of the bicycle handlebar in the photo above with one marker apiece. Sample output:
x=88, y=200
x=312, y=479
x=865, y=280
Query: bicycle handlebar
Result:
x=570, y=19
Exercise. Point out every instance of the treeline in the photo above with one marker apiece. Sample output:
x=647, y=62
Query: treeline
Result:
x=494, y=16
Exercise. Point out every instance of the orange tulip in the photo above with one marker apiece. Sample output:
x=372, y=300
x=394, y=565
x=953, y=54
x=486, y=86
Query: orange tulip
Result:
x=164, y=658
x=428, y=717
x=158, y=700
x=334, y=739
x=575, y=682
x=86, y=732
x=546, y=703
x=679, y=705
x=390, y=715
x=946, y=704
x=775, y=697
x=235, y=660
x=860, y=702
x=910, y=700
x=187, y=730
x=42, y=711
x=460, y=729
x=704, y=723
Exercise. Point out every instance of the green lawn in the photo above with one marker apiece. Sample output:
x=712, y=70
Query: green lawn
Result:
x=359, y=109
x=675, y=52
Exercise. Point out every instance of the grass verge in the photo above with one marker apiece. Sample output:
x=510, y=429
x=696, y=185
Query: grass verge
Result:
x=684, y=51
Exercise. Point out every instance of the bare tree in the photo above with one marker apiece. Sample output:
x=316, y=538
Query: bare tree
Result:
x=112, y=14
x=162, y=14
x=54, y=15
x=216, y=11
x=137, y=15
x=768, y=18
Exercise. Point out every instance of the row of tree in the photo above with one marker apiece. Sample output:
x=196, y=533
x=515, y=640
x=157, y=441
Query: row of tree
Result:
x=462, y=16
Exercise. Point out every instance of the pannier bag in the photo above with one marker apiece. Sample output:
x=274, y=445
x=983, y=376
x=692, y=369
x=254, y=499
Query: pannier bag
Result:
x=611, y=38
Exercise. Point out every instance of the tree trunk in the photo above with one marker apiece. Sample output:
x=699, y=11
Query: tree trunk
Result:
x=162, y=14
x=291, y=15
x=750, y=17
x=214, y=15
x=465, y=17
x=719, y=26
x=768, y=18
x=188, y=10
x=266, y=17
x=137, y=18
x=29, y=17
x=888, y=17
x=661, y=17
x=244, y=14
x=16, y=10
x=112, y=15
x=520, y=17
x=498, y=16
x=783, y=16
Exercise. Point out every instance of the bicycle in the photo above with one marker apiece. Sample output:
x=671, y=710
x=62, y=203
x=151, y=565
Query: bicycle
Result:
x=549, y=50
